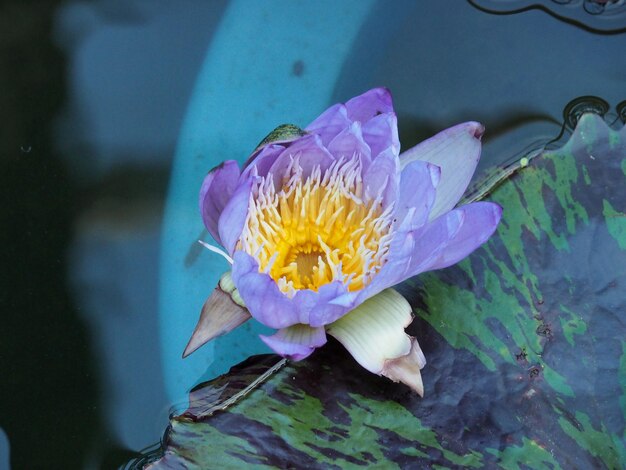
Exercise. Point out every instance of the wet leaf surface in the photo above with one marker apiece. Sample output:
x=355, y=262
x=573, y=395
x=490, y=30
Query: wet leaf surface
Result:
x=525, y=342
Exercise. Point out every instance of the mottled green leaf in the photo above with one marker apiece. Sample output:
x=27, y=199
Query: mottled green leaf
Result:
x=525, y=343
x=283, y=133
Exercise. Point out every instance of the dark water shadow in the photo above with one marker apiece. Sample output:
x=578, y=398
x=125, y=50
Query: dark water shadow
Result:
x=50, y=398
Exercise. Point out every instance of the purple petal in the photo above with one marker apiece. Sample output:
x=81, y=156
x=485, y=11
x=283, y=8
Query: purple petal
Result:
x=394, y=269
x=266, y=303
x=330, y=123
x=418, y=181
x=431, y=240
x=381, y=178
x=350, y=142
x=317, y=308
x=411, y=249
x=233, y=217
x=310, y=153
x=371, y=103
x=456, y=151
x=438, y=244
x=263, y=161
x=296, y=342
x=217, y=188
x=381, y=133
x=479, y=222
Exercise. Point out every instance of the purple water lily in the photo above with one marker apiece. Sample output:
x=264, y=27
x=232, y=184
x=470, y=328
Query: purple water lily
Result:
x=320, y=224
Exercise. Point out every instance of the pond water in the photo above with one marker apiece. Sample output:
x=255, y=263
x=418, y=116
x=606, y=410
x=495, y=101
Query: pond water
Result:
x=114, y=111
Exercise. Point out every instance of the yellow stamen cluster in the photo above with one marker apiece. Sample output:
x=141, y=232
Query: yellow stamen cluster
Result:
x=307, y=232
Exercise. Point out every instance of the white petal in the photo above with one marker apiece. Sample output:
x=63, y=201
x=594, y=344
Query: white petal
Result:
x=374, y=334
x=456, y=151
x=406, y=369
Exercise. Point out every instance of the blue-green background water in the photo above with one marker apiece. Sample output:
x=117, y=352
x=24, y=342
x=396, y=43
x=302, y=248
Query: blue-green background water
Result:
x=112, y=112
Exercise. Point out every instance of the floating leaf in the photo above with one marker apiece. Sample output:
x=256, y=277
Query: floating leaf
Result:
x=525, y=341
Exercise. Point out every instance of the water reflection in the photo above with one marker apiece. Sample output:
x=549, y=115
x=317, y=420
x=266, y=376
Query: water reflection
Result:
x=114, y=278
x=93, y=97
x=50, y=386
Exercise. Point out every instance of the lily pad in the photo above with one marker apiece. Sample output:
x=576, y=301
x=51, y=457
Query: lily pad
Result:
x=525, y=341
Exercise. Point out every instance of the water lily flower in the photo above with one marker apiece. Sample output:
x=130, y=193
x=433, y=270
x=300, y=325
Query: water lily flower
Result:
x=321, y=223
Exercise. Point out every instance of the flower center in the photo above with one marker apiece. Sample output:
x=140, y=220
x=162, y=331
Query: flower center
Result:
x=306, y=261
x=309, y=232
